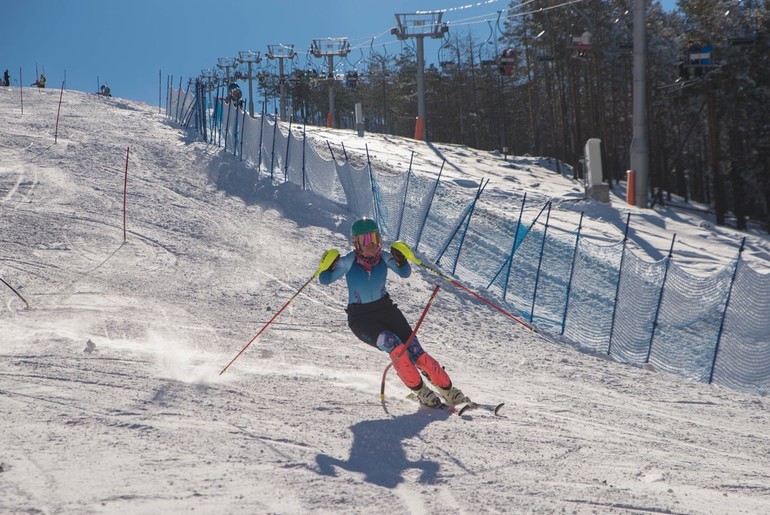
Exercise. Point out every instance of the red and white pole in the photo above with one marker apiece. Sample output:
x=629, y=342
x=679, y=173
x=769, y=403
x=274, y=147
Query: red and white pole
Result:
x=125, y=189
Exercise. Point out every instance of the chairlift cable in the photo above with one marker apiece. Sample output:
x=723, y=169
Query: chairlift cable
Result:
x=512, y=15
x=460, y=8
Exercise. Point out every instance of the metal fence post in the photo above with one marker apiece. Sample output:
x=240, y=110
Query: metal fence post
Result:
x=288, y=144
x=617, y=287
x=539, y=263
x=243, y=126
x=467, y=221
x=430, y=204
x=406, y=193
x=304, y=142
x=375, y=203
x=724, y=312
x=571, y=273
x=509, y=260
x=272, y=147
x=261, y=131
x=660, y=299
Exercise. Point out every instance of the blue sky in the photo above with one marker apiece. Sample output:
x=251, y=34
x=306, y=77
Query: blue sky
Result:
x=126, y=44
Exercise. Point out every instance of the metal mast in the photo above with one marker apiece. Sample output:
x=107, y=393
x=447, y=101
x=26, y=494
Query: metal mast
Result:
x=329, y=48
x=250, y=57
x=639, y=149
x=420, y=26
x=226, y=63
x=281, y=52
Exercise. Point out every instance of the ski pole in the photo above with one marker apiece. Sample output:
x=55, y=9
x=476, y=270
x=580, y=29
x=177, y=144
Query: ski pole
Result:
x=14, y=291
x=407, y=252
x=271, y=320
x=409, y=341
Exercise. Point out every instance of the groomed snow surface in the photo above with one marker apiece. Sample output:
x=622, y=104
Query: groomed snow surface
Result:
x=140, y=421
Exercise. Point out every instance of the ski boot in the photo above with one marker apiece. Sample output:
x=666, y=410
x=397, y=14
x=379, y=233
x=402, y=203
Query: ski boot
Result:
x=428, y=397
x=453, y=395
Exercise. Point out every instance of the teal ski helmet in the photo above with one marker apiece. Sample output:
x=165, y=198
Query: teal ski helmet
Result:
x=363, y=226
x=364, y=232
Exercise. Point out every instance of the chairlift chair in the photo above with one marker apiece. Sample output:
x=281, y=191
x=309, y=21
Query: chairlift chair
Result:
x=582, y=43
x=506, y=62
x=700, y=60
x=351, y=79
x=446, y=56
x=296, y=78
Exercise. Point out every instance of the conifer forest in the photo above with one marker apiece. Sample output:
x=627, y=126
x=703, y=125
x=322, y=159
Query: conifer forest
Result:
x=544, y=81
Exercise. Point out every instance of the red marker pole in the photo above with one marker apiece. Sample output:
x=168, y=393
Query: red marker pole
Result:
x=317, y=272
x=58, y=112
x=125, y=189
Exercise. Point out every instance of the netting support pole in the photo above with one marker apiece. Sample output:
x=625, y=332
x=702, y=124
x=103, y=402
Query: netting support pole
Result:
x=509, y=261
x=227, y=122
x=288, y=144
x=178, y=97
x=243, y=127
x=571, y=273
x=617, y=286
x=660, y=299
x=304, y=143
x=466, y=220
x=430, y=204
x=261, y=131
x=540, y=264
x=403, y=204
x=724, y=313
x=272, y=147
x=375, y=204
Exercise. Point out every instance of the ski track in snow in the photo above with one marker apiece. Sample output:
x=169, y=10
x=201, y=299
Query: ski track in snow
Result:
x=146, y=424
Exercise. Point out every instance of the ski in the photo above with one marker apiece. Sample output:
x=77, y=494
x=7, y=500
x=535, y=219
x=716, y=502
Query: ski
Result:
x=460, y=409
x=464, y=408
x=442, y=407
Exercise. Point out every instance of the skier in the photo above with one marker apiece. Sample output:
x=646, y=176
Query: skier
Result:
x=234, y=94
x=40, y=83
x=6, y=78
x=376, y=320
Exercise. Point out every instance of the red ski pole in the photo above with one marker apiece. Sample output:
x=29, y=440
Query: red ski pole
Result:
x=482, y=299
x=271, y=320
x=14, y=291
x=409, y=341
x=407, y=252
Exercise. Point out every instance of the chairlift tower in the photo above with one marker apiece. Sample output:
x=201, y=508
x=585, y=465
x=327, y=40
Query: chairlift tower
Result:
x=210, y=78
x=420, y=26
x=225, y=63
x=281, y=52
x=250, y=58
x=639, y=152
x=329, y=48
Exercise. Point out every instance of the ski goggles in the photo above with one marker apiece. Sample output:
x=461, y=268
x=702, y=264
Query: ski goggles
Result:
x=362, y=240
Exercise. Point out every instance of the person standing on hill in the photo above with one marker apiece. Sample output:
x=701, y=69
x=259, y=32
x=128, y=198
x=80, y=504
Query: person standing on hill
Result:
x=376, y=320
x=6, y=78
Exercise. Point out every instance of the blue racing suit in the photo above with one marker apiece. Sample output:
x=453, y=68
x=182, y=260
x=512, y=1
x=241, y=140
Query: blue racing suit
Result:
x=372, y=315
x=377, y=321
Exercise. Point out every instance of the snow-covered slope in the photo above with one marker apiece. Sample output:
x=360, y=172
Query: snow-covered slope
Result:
x=145, y=424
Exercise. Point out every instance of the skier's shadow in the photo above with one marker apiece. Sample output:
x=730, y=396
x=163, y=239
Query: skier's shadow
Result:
x=378, y=452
